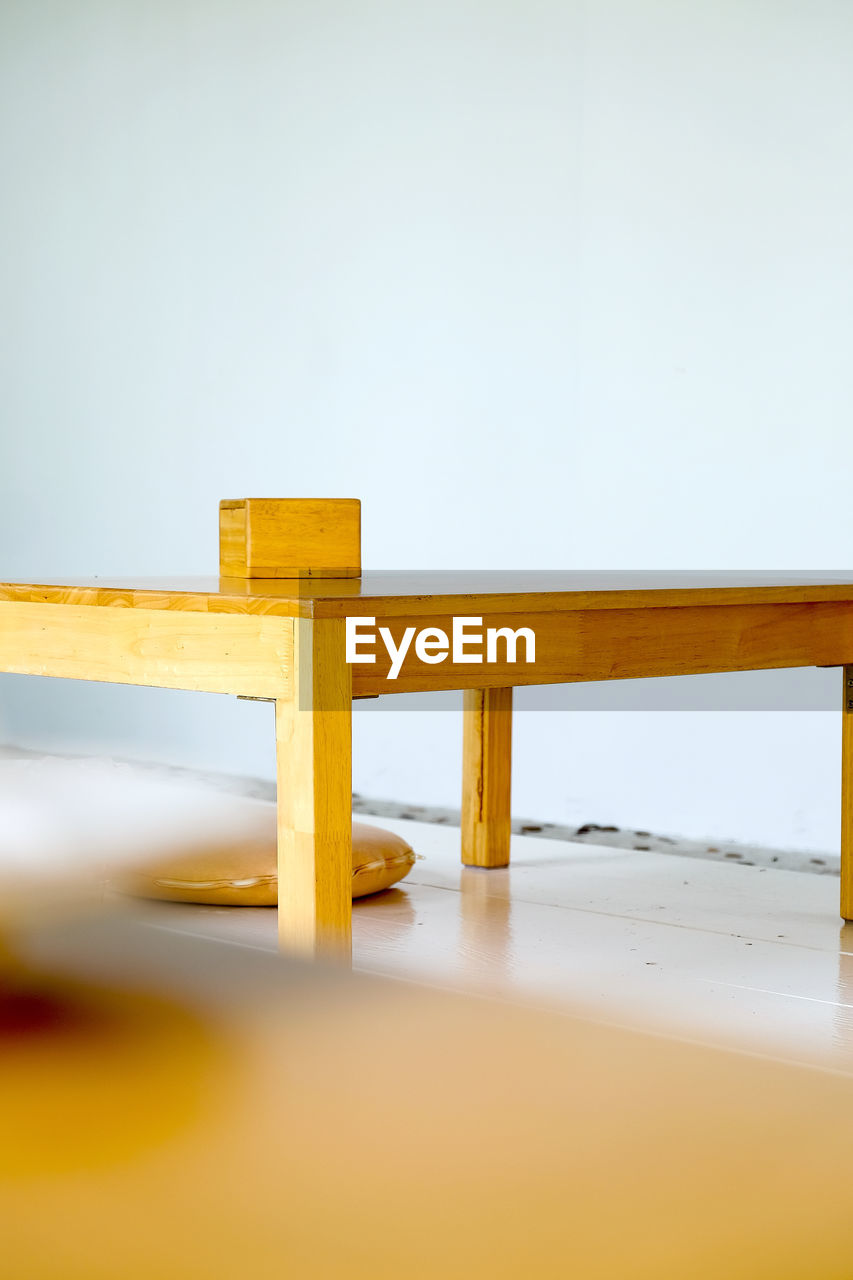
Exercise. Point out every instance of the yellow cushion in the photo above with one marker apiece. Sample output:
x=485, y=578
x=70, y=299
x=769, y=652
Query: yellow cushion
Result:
x=243, y=874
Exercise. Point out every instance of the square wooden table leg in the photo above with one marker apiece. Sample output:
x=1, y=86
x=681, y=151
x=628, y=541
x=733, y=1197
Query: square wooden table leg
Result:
x=486, y=777
x=314, y=769
x=847, y=796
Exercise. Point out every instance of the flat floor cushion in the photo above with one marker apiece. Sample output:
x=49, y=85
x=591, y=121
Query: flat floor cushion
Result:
x=242, y=872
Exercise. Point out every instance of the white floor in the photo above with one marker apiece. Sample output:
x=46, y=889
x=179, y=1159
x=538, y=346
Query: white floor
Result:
x=727, y=954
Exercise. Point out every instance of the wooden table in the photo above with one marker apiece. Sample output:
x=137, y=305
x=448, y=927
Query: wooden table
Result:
x=285, y=640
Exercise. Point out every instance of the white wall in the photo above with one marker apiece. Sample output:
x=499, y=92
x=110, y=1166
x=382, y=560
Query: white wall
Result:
x=547, y=284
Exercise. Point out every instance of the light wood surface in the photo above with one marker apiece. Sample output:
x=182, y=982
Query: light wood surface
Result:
x=389, y=594
x=232, y=540
x=290, y=537
x=214, y=653
x=314, y=754
x=617, y=644
x=159, y=646
x=486, y=777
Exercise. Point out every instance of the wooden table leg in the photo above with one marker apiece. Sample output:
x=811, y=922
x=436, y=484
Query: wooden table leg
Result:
x=847, y=797
x=486, y=777
x=314, y=758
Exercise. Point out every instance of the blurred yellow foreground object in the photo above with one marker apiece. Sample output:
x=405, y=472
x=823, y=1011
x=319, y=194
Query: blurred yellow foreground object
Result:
x=173, y=1107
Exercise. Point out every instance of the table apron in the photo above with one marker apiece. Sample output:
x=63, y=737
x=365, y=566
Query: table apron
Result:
x=210, y=652
x=623, y=644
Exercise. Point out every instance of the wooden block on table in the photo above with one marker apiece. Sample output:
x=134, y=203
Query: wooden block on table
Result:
x=290, y=538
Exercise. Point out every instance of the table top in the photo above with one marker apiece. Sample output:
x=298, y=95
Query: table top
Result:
x=399, y=593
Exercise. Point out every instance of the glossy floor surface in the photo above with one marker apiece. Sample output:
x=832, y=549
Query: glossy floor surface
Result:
x=724, y=954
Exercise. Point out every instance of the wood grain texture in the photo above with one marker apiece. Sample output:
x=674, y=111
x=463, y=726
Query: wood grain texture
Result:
x=175, y=595
x=314, y=754
x=847, y=795
x=618, y=644
x=232, y=539
x=213, y=653
x=486, y=777
x=290, y=537
x=428, y=594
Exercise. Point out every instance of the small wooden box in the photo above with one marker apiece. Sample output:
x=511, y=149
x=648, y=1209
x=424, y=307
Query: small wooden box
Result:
x=290, y=538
